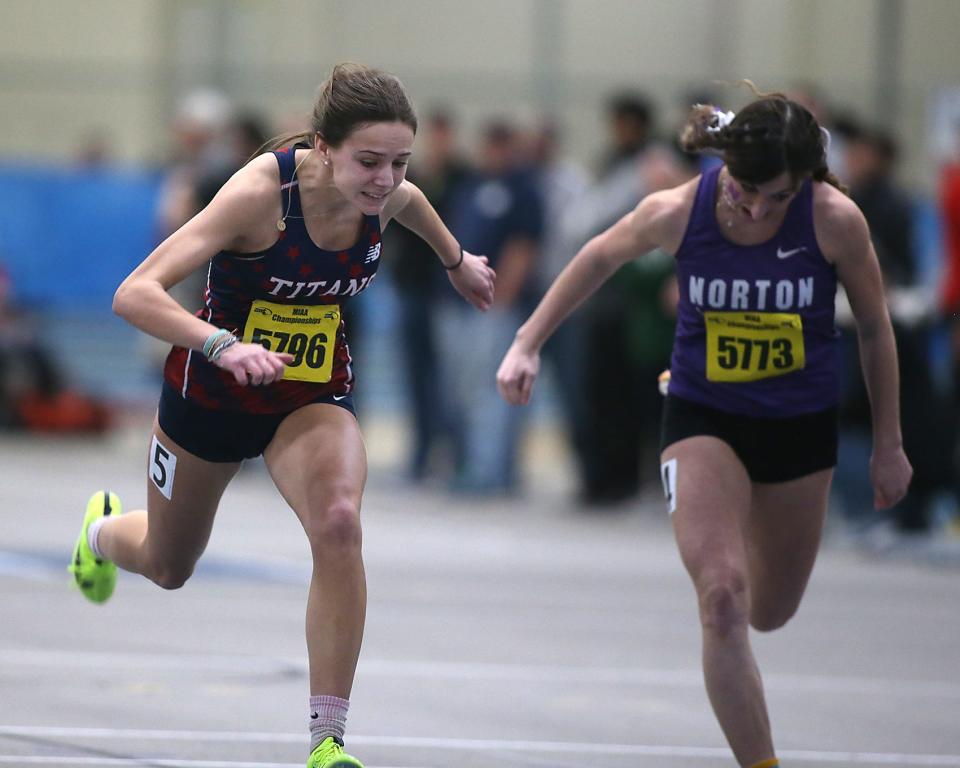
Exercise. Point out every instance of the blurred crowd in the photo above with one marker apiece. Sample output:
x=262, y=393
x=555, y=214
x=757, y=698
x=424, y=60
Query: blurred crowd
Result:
x=519, y=198
x=35, y=393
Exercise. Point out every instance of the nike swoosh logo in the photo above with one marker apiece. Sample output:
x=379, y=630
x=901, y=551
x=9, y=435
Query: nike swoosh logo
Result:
x=338, y=398
x=782, y=254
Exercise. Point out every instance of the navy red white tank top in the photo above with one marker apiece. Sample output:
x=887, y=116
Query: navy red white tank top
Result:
x=288, y=298
x=755, y=325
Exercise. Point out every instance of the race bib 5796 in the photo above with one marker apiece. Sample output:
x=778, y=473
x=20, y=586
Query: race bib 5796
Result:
x=306, y=332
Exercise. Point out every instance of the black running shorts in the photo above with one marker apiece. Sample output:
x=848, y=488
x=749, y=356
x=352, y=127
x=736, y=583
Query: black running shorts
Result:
x=772, y=450
x=224, y=436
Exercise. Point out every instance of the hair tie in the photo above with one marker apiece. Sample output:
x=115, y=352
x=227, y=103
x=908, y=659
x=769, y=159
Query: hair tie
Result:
x=459, y=262
x=719, y=120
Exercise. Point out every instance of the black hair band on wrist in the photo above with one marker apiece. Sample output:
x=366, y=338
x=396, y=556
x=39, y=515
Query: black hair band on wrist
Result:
x=459, y=262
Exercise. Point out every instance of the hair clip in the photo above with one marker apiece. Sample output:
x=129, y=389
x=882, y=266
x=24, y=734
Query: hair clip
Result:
x=720, y=120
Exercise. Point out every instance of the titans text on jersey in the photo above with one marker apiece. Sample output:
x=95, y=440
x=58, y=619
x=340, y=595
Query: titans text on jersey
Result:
x=288, y=289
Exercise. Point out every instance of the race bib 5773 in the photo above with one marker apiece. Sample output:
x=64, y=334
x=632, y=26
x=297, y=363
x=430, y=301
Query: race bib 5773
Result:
x=747, y=346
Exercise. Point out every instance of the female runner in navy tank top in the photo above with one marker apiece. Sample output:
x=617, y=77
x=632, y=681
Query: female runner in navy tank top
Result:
x=749, y=429
x=265, y=366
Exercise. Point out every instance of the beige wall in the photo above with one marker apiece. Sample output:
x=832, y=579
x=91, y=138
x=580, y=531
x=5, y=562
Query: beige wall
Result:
x=119, y=65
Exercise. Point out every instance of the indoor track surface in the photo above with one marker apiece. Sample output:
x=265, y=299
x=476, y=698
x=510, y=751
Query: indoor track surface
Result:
x=499, y=633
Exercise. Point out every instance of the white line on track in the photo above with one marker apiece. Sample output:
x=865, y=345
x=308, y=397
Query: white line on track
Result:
x=667, y=678
x=477, y=745
x=125, y=761
x=144, y=761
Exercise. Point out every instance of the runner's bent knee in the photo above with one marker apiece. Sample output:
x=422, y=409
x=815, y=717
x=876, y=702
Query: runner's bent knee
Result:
x=724, y=600
x=171, y=558
x=183, y=492
x=334, y=524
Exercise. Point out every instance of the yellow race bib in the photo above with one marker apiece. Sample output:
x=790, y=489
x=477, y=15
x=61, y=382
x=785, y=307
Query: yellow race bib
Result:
x=306, y=332
x=748, y=346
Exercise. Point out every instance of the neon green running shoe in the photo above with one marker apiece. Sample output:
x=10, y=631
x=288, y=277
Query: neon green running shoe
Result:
x=330, y=754
x=96, y=578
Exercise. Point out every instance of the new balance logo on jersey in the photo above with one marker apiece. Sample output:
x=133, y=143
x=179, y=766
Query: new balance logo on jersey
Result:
x=373, y=253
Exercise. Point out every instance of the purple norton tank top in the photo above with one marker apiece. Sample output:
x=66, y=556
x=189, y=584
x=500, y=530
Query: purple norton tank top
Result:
x=755, y=324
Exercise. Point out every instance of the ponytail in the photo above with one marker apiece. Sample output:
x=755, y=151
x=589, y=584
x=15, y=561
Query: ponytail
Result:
x=284, y=140
x=770, y=136
x=824, y=174
x=702, y=131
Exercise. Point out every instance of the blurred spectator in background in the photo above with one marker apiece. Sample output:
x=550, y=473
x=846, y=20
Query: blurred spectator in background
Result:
x=200, y=150
x=950, y=216
x=621, y=418
x=243, y=136
x=497, y=212
x=33, y=394
x=950, y=213
x=871, y=158
x=93, y=151
x=562, y=185
x=438, y=170
x=809, y=95
x=651, y=315
x=928, y=424
x=629, y=117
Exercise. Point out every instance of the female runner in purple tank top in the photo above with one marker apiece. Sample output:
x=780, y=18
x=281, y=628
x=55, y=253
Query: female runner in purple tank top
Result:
x=264, y=367
x=749, y=429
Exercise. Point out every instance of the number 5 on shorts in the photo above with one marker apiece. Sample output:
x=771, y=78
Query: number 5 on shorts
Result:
x=163, y=466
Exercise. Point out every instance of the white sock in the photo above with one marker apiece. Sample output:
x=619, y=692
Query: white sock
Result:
x=93, y=534
x=328, y=717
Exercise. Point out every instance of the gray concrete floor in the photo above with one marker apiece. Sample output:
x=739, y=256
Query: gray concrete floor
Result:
x=520, y=633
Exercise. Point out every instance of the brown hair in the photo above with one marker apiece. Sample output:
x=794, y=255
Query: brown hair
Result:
x=769, y=136
x=352, y=96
